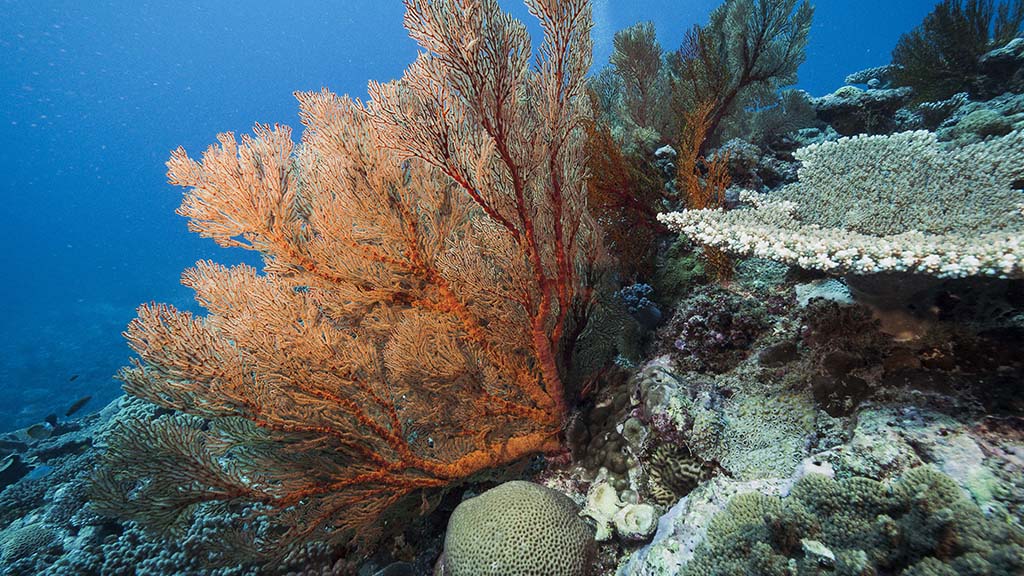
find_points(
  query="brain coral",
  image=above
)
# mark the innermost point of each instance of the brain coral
(30, 539)
(899, 203)
(518, 529)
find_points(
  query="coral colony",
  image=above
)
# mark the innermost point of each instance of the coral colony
(518, 317)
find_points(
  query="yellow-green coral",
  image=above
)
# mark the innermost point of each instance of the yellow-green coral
(674, 472)
(922, 525)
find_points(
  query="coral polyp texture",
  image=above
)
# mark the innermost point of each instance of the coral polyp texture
(518, 528)
(922, 523)
(869, 204)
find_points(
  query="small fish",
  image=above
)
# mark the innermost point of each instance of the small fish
(396, 569)
(9, 461)
(38, 431)
(73, 378)
(39, 472)
(78, 405)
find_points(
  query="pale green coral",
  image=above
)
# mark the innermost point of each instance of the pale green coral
(921, 524)
(979, 125)
(759, 430)
(679, 271)
(763, 427)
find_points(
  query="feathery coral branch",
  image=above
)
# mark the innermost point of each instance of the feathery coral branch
(422, 253)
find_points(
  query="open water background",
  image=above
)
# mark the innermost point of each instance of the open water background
(94, 94)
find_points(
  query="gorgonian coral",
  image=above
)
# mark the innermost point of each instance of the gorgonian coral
(942, 56)
(428, 259)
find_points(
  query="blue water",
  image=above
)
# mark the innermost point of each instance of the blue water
(93, 96)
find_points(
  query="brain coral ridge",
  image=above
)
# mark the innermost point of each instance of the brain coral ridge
(518, 528)
(870, 204)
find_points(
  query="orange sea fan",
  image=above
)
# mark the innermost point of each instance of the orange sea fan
(424, 254)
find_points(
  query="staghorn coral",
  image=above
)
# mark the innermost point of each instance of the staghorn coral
(428, 263)
(898, 203)
(129, 550)
(936, 113)
(942, 56)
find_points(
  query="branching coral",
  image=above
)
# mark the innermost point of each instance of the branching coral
(763, 126)
(623, 193)
(428, 266)
(703, 181)
(636, 58)
(941, 57)
(629, 99)
(634, 89)
(898, 203)
(746, 52)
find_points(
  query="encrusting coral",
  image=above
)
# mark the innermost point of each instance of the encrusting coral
(714, 331)
(921, 524)
(872, 204)
(428, 265)
(24, 541)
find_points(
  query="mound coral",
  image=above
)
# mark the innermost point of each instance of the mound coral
(24, 541)
(872, 204)
(518, 528)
